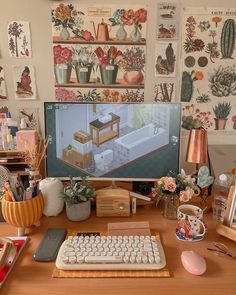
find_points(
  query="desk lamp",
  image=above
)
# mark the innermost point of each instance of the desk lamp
(197, 147)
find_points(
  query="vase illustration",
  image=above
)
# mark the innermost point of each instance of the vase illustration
(108, 74)
(62, 73)
(121, 34)
(64, 34)
(83, 74)
(220, 124)
(135, 35)
(134, 77)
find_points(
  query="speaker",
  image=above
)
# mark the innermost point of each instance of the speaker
(143, 187)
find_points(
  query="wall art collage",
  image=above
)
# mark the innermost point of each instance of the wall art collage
(208, 88)
(99, 52)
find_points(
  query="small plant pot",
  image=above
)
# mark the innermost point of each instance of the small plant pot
(62, 73)
(108, 74)
(23, 214)
(78, 212)
(83, 74)
(220, 124)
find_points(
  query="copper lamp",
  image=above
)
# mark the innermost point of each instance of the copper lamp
(197, 147)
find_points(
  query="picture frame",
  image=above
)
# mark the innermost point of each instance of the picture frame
(228, 228)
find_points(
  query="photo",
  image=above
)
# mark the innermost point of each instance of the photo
(3, 91)
(165, 59)
(24, 79)
(19, 39)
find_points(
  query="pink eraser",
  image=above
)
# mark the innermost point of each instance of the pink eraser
(193, 262)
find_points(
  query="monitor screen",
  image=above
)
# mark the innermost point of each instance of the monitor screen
(113, 140)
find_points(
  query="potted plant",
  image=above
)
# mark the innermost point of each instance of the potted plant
(62, 64)
(77, 197)
(221, 111)
(83, 61)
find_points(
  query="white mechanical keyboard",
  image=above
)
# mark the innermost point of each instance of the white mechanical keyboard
(111, 253)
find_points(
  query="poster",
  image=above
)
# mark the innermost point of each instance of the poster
(19, 41)
(209, 66)
(24, 82)
(3, 91)
(31, 116)
(164, 92)
(99, 52)
(165, 59)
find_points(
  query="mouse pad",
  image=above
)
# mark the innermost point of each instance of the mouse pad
(162, 273)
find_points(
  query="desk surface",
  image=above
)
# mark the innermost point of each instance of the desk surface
(30, 277)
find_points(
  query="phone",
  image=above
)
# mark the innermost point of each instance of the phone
(7, 248)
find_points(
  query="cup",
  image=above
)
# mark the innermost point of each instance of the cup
(190, 226)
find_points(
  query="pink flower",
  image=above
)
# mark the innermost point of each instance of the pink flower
(128, 17)
(140, 15)
(62, 94)
(86, 35)
(170, 186)
(57, 50)
(66, 53)
(185, 196)
(59, 60)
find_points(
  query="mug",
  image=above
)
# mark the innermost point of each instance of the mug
(190, 226)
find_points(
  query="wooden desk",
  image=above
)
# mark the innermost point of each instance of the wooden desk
(30, 277)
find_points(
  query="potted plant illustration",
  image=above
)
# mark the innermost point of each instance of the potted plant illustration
(133, 64)
(62, 64)
(66, 16)
(109, 59)
(221, 111)
(83, 61)
(77, 197)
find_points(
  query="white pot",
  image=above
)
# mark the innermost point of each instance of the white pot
(78, 212)
(52, 190)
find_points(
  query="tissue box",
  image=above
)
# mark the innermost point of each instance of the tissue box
(26, 139)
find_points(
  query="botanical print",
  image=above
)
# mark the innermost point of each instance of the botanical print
(31, 116)
(165, 64)
(24, 82)
(19, 42)
(167, 20)
(3, 92)
(99, 48)
(164, 92)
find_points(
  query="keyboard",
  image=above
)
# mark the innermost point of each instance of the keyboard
(95, 252)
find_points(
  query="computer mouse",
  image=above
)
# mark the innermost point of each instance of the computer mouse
(193, 262)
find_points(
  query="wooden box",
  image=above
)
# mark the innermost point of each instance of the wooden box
(68, 155)
(81, 160)
(82, 136)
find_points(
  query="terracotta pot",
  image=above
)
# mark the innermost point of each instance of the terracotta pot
(23, 214)
(220, 124)
(133, 77)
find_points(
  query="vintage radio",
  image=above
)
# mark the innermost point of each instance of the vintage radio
(112, 202)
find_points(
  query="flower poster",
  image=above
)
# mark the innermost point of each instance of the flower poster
(165, 57)
(19, 41)
(99, 52)
(31, 116)
(3, 92)
(24, 82)
(209, 65)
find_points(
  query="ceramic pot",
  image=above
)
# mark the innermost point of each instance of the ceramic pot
(121, 34)
(64, 34)
(52, 190)
(108, 74)
(78, 212)
(23, 214)
(83, 74)
(135, 35)
(220, 124)
(62, 73)
(134, 77)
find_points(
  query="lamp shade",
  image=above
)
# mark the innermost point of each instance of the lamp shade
(197, 146)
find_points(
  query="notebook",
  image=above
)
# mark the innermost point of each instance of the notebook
(20, 243)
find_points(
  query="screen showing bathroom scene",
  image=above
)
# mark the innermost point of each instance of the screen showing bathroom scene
(119, 141)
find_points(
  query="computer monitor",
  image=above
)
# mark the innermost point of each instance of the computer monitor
(117, 141)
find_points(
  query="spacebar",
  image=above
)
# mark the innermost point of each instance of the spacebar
(103, 259)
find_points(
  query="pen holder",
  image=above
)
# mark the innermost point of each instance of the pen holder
(23, 214)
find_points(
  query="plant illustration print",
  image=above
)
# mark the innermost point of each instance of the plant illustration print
(227, 39)
(191, 43)
(19, 42)
(204, 26)
(3, 94)
(211, 47)
(187, 84)
(164, 92)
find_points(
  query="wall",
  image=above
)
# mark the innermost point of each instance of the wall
(37, 12)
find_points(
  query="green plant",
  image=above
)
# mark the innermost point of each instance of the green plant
(78, 192)
(222, 110)
(193, 118)
(227, 39)
(91, 95)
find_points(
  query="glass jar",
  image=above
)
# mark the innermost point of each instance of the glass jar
(170, 205)
(34, 177)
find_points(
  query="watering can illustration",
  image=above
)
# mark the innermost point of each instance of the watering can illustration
(102, 31)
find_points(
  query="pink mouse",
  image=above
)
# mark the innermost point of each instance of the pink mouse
(193, 262)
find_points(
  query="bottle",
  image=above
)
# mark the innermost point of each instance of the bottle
(220, 190)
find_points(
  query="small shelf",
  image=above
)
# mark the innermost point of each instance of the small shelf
(127, 41)
(120, 84)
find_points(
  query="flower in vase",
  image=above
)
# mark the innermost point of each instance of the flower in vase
(117, 15)
(62, 55)
(140, 16)
(108, 55)
(128, 17)
(83, 56)
(185, 196)
(133, 59)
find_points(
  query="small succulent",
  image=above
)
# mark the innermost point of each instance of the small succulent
(222, 110)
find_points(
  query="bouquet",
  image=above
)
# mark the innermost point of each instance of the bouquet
(133, 59)
(129, 17)
(83, 56)
(108, 55)
(62, 55)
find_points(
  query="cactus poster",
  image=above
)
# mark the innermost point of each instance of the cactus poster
(165, 56)
(208, 85)
(99, 52)
(19, 41)
(3, 92)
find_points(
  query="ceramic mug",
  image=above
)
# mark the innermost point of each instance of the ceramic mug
(190, 226)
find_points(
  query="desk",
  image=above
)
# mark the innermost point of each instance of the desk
(30, 277)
